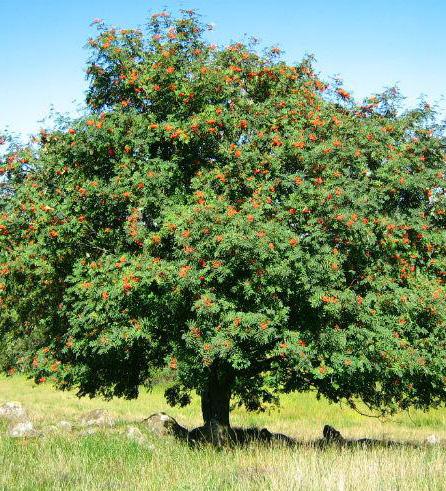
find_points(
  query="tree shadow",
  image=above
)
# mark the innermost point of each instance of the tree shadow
(223, 436)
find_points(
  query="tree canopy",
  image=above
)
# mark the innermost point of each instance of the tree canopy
(232, 217)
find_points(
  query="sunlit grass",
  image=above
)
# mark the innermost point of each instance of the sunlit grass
(107, 460)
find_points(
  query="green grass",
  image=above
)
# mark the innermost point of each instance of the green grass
(107, 460)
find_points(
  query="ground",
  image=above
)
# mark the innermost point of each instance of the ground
(108, 460)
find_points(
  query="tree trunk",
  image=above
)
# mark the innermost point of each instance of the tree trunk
(215, 399)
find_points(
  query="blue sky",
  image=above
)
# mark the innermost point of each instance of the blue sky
(370, 44)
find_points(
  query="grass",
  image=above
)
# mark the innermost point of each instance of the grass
(107, 460)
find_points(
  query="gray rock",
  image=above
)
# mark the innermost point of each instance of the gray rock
(331, 434)
(22, 429)
(136, 435)
(64, 425)
(61, 427)
(50, 430)
(432, 440)
(161, 424)
(98, 417)
(13, 411)
(213, 432)
(89, 431)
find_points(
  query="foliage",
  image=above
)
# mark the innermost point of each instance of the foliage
(218, 210)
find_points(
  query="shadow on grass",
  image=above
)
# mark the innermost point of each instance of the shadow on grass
(223, 436)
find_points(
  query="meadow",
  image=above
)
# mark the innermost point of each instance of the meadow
(107, 460)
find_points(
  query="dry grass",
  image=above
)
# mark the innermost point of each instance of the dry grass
(107, 460)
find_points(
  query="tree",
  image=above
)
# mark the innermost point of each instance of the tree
(234, 218)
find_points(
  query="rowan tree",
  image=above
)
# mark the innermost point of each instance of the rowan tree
(232, 217)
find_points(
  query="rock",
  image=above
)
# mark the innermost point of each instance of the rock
(13, 411)
(64, 425)
(333, 436)
(98, 417)
(266, 436)
(161, 424)
(136, 435)
(89, 431)
(50, 430)
(213, 433)
(432, 440)
(61, 426)
(221, 435)
(22, 429)
(330, 434)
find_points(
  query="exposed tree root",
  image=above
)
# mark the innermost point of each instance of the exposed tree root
(334, 437)
(224, 436)
(214, 433)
